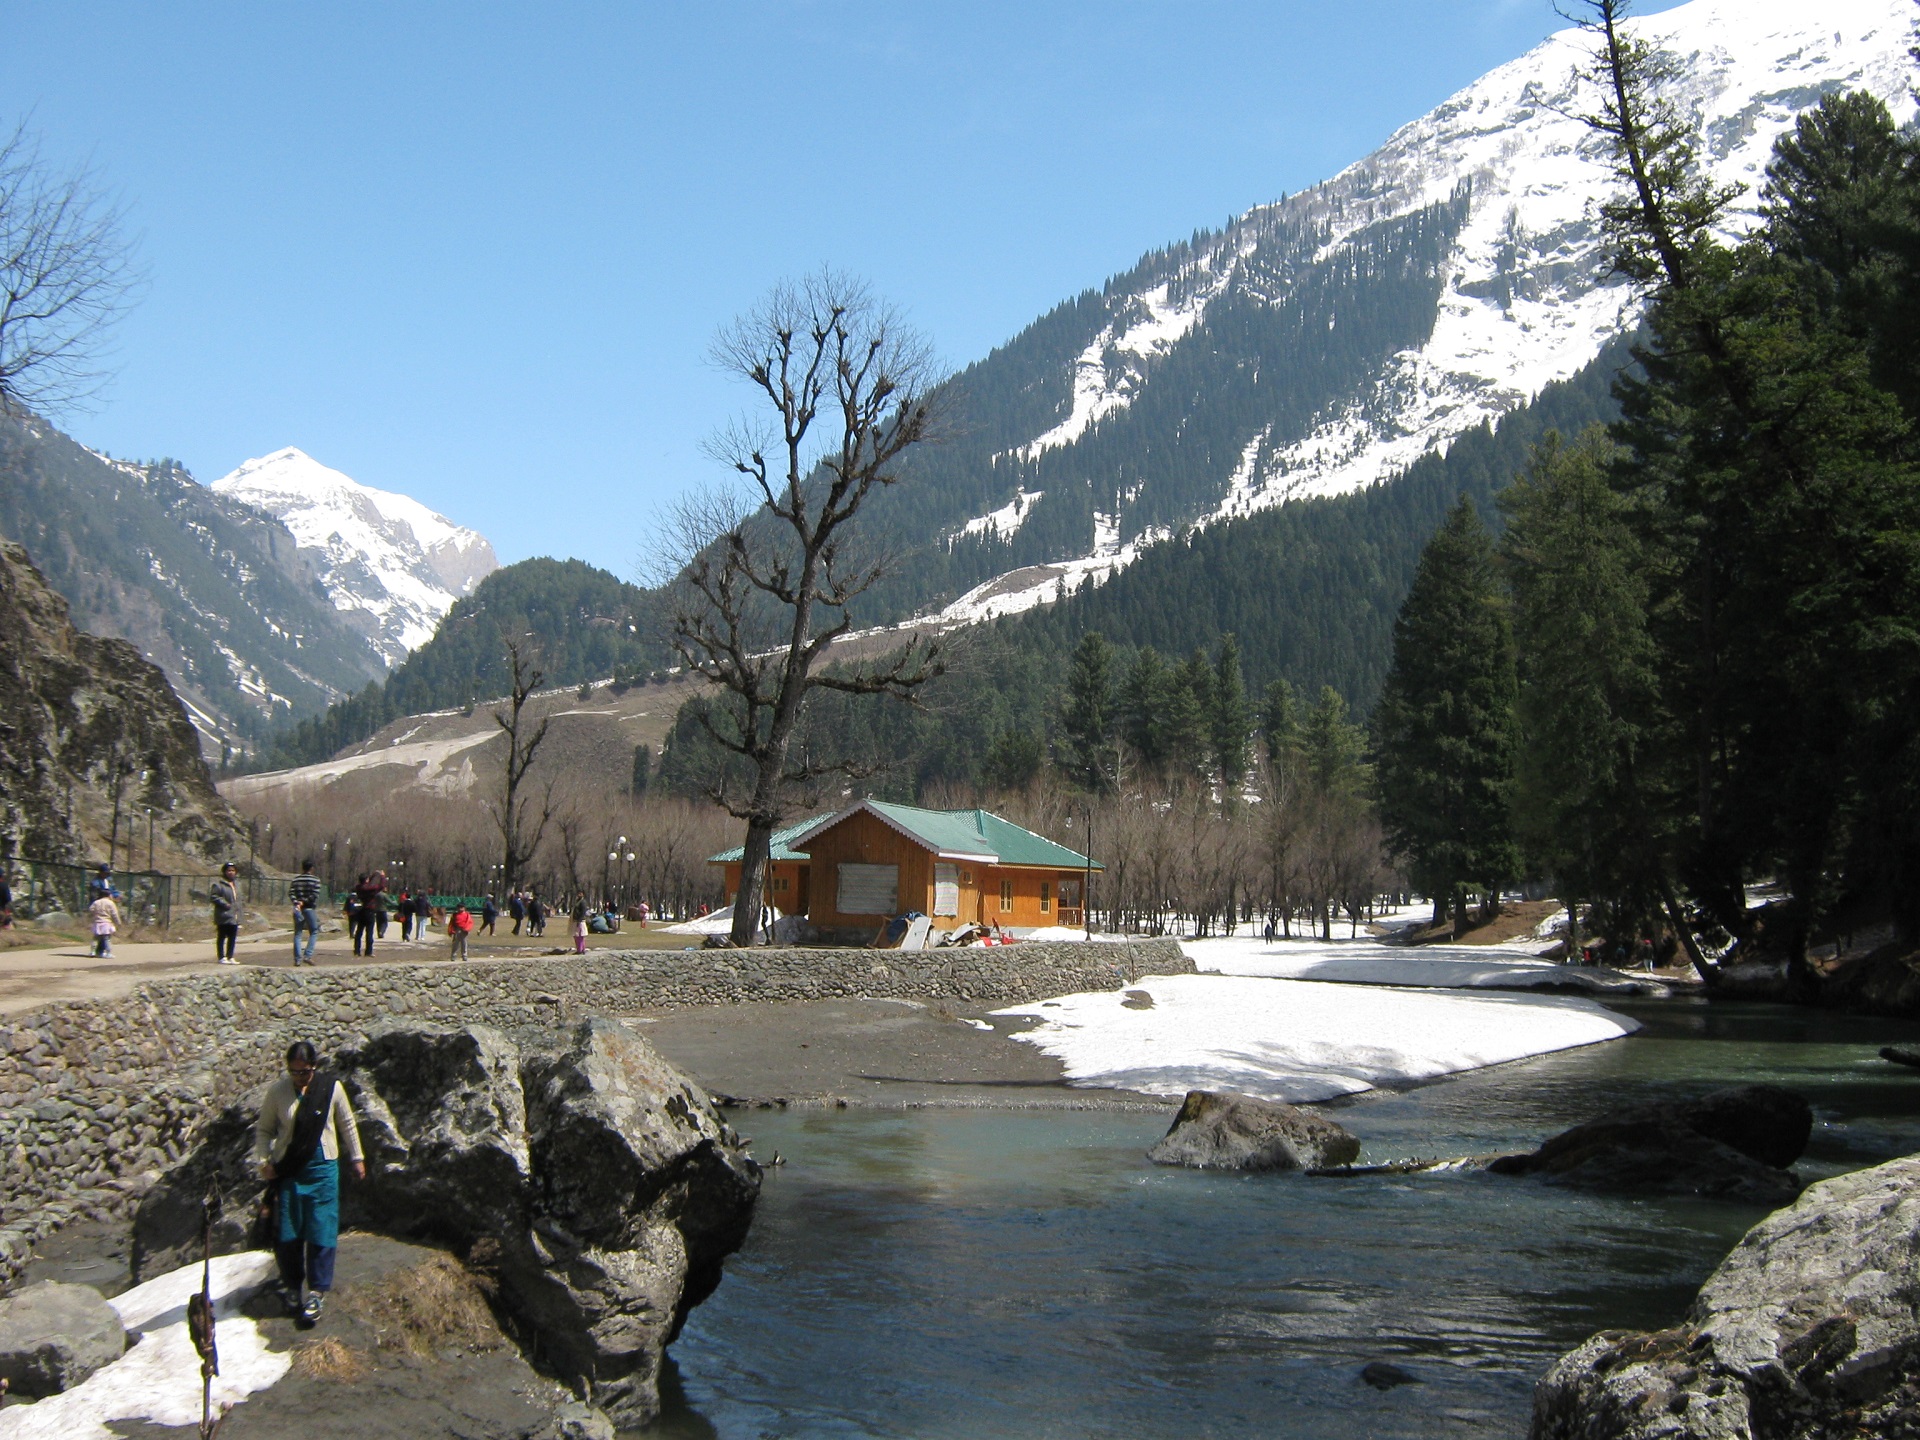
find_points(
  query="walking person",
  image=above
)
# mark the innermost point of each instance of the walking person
(536, 915)
(489, 913)
(517, 908)
(225, 896)
(306, 1128)
(422, 915)
(304, 892)
(459, 926)
(106, 919)
(406, 914)
(580, 926)
(370, 897)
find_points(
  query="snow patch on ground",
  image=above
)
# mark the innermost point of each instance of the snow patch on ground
(1295, 1041)
(1005, 523)
(1455, 967)
(159, 1378)
(432, 758)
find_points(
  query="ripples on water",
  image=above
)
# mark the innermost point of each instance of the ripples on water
(960, 1273)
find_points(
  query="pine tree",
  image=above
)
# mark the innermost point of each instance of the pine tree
(1280, 721)
(1332, 748)
(1444, 727)
(1183, 739)
(1232, 718)
(642, 771)
(1143, 700)
(1088, 716)
(1591, 804)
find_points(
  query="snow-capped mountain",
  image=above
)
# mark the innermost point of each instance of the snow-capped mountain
(1323, 343)
(386, 558)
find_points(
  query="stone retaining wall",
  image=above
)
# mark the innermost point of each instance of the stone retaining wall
(98, 1096)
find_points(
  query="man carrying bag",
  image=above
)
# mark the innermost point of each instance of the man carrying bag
(306, 1128)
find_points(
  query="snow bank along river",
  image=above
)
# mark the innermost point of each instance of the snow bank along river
(1300, 1040)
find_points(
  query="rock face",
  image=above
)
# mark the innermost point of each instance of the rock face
(75, 711)
(53, 1336)
(1883, 982)
(1809, 1329)
(1731, 1145)
(589, 1178)
(1234, 1132)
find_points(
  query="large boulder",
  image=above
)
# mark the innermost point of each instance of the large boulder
(53, 1336)
(1236, 1132)
(588, 1178)
(1730, 1145)
(1808, 1330)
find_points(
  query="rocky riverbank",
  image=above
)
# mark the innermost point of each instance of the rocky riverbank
(1808, 1330)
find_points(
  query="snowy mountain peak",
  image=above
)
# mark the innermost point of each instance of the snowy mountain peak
(1323, 343)
(387, 557)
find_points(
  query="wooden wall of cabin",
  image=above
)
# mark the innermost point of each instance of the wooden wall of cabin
(864, 839)
(786, 884)
(1027, 896)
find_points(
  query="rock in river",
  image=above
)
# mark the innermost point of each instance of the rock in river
(1234, 1132)
(53, 1336)
(589, 1178)
(1731, 1145)
(1807, 1330)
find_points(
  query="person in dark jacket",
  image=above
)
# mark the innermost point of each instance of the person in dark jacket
(225, 895)
(517, 908)
(489, 912)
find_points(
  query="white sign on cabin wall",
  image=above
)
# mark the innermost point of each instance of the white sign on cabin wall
(868, 889)
(946, 889)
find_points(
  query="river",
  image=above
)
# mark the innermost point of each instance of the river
(967, 1272)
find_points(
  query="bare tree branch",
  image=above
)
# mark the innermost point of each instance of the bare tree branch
(66, 275)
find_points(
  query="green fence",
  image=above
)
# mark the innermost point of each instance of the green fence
(145, 897)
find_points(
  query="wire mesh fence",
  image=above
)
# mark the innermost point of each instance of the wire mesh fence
(147, 898)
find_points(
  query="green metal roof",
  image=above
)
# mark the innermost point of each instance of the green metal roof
(977, 835)
(778, 844)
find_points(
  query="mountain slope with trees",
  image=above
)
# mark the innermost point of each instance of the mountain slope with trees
(575, 622)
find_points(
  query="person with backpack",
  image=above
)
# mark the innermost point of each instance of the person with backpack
(459, 926)
(304, 893)
(306, 1129)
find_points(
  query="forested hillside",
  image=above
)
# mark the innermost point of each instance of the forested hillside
(577, 622)
(1309, 590)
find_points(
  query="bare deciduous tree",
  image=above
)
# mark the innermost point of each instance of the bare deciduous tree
(66, 274)
(757, 607)
(520, 833)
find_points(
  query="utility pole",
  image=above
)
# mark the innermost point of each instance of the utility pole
(1086, 890)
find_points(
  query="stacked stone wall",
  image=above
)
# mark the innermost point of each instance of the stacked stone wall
(98, 1096)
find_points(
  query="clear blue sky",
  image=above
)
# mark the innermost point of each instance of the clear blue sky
(476, 253)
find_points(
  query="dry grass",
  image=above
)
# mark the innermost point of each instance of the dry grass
(426, 1308)
(329, 1359)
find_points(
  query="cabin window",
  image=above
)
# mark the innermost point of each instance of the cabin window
(946, 889)
(1069, 893)
(1006, 897)
(779, 884)
(1046, 897)
(868, 889)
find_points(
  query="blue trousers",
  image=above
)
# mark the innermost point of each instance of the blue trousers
(305, 922)
(308, 1235)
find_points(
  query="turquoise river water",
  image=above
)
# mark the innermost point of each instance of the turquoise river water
(958, 1273)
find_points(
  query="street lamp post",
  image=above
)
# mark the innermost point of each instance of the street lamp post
(1086, 889)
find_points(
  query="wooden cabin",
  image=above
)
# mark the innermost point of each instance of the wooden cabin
(854, 868)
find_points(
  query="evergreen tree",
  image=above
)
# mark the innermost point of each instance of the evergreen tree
(1591, 805)
(1232, 718)
(1013, 760)
(1143, 700)
(1444, 727)
(1184, 741)
(1087, 718)
(642, 771)
(1280, 721)
(1332, 748)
